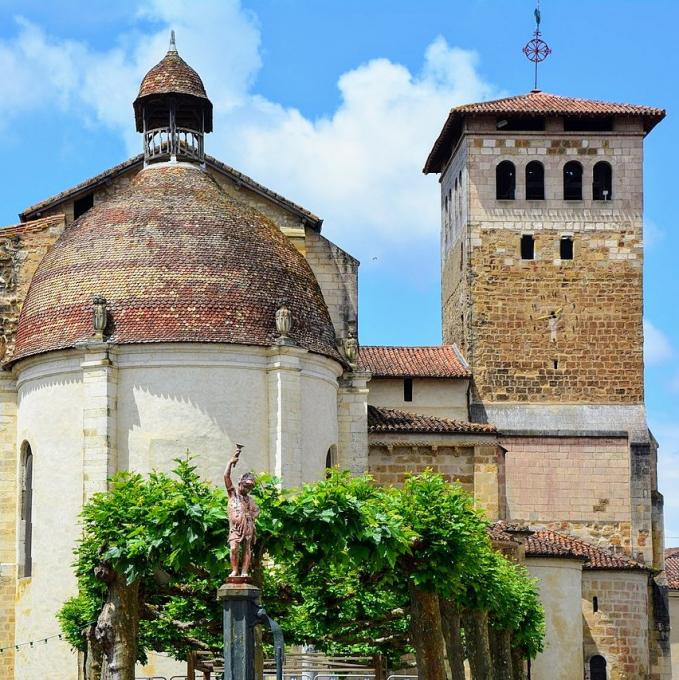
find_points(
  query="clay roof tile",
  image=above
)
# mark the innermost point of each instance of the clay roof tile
(444, 361)
(393, 421)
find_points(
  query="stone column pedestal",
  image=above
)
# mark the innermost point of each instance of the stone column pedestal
(240, 600)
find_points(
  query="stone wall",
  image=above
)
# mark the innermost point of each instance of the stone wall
(337, 274)
(477, 464)
(618, 631)
(499, 305)
(580, 485)
(22, 247)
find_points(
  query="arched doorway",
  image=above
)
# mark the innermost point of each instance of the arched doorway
(597, 668)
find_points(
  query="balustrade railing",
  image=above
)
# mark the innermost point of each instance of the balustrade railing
(165, 142)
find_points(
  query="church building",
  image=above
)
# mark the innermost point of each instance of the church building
(172, 303)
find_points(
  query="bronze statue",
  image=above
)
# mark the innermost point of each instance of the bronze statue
(243, 512)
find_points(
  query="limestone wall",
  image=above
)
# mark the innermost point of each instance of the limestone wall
(577, 484)
(476, 463)
(86, 413)
(618, 631)
(440, 397)
(560, 586)
(674, 633)
(337, 274)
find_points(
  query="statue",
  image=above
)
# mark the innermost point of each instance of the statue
(351, 349)
(99, 316)
(242, 514)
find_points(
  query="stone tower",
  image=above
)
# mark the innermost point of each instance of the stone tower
(542, 254)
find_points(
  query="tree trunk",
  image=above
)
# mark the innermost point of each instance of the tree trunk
(93, 655)
(117, 627)
(452, 634)
(518, 664)
(501, 653)
(425, 633)
(475, 624)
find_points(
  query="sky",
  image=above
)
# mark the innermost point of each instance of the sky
(335, 104)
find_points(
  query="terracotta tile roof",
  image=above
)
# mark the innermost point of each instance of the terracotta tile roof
(33, 225)
(389, 420)
(535, 103)
(178, 261)
(172, 75)
(672, 568)
(547, 543)
(443, 361)
(137, 162)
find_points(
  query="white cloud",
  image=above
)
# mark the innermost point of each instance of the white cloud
(359, 168)
(657, 346)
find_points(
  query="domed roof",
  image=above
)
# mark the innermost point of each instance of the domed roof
(177, 260)
(173, 76)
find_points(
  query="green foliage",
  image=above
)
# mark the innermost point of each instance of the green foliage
(338, 556)
(450, 534)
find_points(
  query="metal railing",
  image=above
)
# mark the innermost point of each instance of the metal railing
(165, 142)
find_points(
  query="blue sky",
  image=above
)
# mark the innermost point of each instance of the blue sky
(334, 104)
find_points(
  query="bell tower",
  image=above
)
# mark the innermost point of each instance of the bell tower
(172, 111)
(541, 249)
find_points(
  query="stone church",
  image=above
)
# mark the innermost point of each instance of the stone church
(172, 303)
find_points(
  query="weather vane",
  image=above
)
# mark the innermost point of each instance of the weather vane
(537, 49)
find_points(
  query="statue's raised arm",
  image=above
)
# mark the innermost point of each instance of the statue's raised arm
(228, 483)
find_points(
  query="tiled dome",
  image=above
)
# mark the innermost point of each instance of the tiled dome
(177, 260)
(172, 76)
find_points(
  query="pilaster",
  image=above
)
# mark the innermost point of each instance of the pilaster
(641, 502)
(8, 521)
(99, 418)
(352, 417)
(284, 373)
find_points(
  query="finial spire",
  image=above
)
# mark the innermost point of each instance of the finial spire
(173, 45)
(537, 49)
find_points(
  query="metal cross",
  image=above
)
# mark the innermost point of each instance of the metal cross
(537, 49)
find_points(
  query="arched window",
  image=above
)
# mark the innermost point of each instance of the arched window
(26, 518)
(597, 668)
(505, 181)
(572, 181)
(331, 458)
(535, 181)
(602, 182)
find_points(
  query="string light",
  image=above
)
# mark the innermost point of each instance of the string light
(44, 641)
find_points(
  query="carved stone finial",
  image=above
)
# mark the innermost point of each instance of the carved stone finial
(351, 348)
(99, 316)
(283, 321)
(173, 45)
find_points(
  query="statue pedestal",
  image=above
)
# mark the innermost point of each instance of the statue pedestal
(240, 600)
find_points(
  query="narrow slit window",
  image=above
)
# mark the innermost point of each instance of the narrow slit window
(595, 604)
(566, 248)
(572, 181)
(26, 529)
(555, 364)
(505, 181)
(602, 182)
(407, 389)
(535, 181)
(527, 247)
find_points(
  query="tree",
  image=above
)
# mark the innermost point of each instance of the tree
(346, 562)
